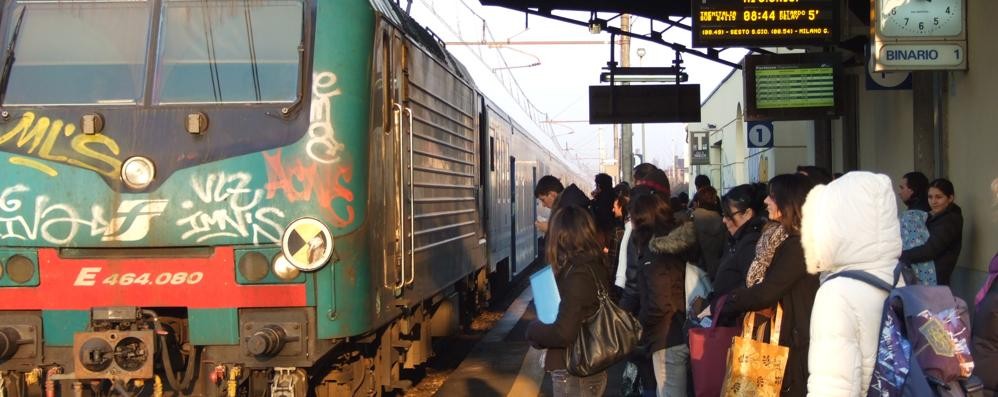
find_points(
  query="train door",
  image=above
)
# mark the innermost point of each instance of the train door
(512, 215)
(398, 205)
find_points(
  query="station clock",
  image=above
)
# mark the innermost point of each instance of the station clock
(920, 18)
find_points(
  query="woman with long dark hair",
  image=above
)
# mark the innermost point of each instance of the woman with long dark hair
(778, 275)
(577, 260)
(945, 225)
(662, 290)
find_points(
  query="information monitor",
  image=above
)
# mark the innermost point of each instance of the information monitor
(792, 86)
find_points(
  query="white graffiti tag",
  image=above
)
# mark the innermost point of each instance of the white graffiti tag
(322, 145)
(56, 224)
(227, 207)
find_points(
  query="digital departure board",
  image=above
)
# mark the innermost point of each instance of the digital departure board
(792, 86)
(765, 23)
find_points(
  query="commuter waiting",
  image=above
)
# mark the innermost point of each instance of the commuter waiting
(849, 225)
(945, 225)
(575, 256)
(710, 230)
(552, 194)
(914, 190)
(662, 290)
(742, 209)
(985, 333)
(778, 275)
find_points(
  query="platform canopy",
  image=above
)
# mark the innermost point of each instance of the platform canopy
(671, 14)
(658, 10)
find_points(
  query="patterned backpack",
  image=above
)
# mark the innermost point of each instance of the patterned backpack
(923, 348)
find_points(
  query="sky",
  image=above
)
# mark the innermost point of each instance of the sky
(555, 77)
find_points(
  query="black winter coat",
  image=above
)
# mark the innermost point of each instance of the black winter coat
(630, 298)
(577, 288)
(943, 246)
(711, 235)
(986, 342)
(738, 255)
(787, 282)
(662, 287)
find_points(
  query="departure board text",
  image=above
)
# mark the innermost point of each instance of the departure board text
(760, 23)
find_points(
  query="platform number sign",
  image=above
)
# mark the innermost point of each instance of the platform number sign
(760, 134)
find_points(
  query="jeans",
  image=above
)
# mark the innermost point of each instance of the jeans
(564, 384)
(670, 370)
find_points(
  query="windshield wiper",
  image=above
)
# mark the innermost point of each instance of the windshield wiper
(286, 112)
(9, 60)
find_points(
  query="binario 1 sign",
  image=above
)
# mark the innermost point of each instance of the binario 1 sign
(729, 23)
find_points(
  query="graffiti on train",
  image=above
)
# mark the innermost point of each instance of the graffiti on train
(227, 207)
(298, 181)
(60, 223)
(59, 141)
(322, 145)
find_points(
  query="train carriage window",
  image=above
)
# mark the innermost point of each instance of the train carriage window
(229, 52)
(76, 53)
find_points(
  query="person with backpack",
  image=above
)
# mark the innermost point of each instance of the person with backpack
(778, 275)
(848, 225)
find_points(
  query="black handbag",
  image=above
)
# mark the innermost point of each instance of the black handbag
(605, 338)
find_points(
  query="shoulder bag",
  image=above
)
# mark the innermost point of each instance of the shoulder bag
(605, 338)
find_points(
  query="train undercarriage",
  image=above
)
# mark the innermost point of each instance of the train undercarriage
(130, 351)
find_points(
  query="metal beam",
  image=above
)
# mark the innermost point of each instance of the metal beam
(658, 40)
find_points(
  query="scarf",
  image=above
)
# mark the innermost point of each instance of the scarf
(993, 269)
(773, 234)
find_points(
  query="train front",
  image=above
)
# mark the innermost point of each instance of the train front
(182, 188)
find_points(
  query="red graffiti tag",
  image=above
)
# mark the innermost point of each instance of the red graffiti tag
(298, 181)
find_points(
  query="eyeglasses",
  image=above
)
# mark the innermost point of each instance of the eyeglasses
(731, 215)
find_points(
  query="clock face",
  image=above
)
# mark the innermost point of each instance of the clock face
(920, 18)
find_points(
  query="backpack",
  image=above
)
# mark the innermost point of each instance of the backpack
(923, 349)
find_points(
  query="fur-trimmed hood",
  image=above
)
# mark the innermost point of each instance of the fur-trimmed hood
(852, 224)
(678, 242)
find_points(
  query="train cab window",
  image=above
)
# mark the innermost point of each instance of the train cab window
(75, 53)
(229, 52)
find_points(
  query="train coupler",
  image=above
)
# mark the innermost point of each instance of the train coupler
(288, 382)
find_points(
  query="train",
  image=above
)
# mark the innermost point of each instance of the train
(246, 197)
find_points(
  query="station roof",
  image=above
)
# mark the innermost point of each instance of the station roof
(659, 10)
(664, 11)
(654, 9)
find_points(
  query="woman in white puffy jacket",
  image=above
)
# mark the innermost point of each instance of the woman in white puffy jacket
(850, 224)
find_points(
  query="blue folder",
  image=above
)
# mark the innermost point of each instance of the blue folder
(546, 297)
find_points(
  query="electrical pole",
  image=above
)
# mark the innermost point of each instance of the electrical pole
(626, 136)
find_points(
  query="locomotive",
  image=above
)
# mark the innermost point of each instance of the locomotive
(252, 197)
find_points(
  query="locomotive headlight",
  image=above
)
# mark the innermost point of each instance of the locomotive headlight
(138, 172)
(20, 269)
(283, 269)
(253, 266)
(307, 244)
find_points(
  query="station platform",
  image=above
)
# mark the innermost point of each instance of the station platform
(504, 364)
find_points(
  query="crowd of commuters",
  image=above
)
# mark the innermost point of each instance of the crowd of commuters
(761, 246)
